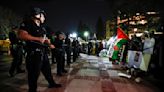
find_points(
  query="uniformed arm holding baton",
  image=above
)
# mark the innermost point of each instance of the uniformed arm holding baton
(24, 35)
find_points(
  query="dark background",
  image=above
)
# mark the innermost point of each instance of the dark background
(65, 14)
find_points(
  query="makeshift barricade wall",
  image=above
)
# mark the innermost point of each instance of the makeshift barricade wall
(138, 60)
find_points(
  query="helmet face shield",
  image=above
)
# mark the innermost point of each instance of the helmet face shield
(38, 14)
(42, 18)
(60, 35)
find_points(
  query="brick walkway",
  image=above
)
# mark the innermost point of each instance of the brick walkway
(88, 74)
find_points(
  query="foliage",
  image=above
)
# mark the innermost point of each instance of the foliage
(8, 19)
(100, 32)
(82, 27)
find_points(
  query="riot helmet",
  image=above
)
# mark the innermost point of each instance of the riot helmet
(37, 13)
(60, 35)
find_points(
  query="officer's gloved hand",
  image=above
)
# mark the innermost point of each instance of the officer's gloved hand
(41, 40)
(52, 46)
(47, 41)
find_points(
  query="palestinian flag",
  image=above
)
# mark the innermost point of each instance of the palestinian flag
(122, 39)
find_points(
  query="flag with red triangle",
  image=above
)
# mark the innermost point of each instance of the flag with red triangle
(121, 39)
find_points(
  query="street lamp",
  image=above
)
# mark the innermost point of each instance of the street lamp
(86, 34)
(73, 35)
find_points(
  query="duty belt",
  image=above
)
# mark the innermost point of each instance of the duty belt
(35, 50)
(38, 49)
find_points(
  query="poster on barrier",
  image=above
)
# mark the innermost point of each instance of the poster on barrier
(145, 62)
(134, 58)
(139, 60)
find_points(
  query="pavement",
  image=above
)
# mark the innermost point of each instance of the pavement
(88, 74)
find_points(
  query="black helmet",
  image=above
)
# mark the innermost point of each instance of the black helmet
(36, 11)
(58, 33)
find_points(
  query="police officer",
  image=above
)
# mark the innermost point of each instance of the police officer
(60, 53)
(89, 48)
(16, 49)
(33, 33)
(68, 49)
(74, 46)
(78, 47)
(53, 37)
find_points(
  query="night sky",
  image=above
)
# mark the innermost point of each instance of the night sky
(64, 14)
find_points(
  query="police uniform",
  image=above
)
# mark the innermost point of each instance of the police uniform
(53, 50)
(68, 50)
(75, 53)
(16, 49)
(60, 55)
(78, 48)
(37, 57)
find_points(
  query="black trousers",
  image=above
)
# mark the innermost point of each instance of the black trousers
(75, 54)
(53, 55)
(68, 52)
(60, 54)
(37, 61)
(17, 54)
